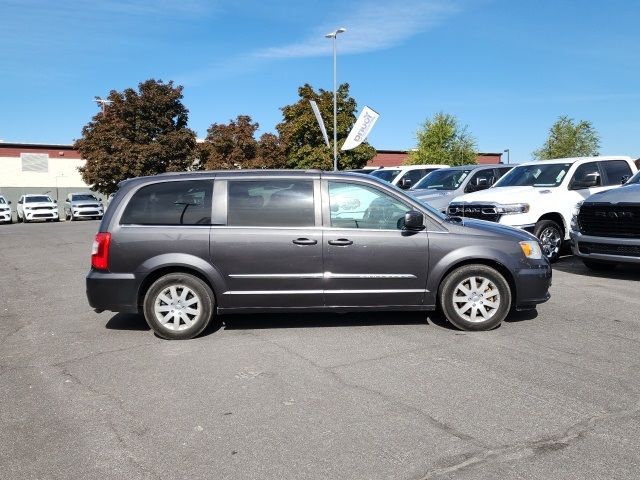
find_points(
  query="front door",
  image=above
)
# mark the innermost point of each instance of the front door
(269, 253)
(368, 259)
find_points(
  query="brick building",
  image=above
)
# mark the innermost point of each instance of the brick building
(393, 158)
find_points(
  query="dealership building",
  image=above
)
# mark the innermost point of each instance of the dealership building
(53, 169)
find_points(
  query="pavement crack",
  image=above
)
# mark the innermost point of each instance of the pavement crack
(330, 371)
(517, 451)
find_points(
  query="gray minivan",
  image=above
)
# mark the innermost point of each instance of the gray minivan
(441, 186)
(182, 247)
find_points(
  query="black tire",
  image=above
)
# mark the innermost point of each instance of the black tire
(598, 266)
(168, 330)
(551, 236)
(71, 217)
(456, 311)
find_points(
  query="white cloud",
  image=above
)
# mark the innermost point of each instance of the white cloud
(375, 25)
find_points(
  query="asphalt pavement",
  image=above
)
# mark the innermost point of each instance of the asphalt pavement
(552, 394)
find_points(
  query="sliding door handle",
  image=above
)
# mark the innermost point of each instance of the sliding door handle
(341, 242)
(305, 241)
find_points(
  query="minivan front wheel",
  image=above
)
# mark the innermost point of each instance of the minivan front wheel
(475, 297)
(178, 306)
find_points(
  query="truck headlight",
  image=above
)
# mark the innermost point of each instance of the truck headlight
(512, 208)
(531, 249)
(574, 216)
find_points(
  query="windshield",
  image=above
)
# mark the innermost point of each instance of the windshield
(444, 179)
(635, 178)
(83, 196)
(386, 174)
(539, 175)
(39, 198)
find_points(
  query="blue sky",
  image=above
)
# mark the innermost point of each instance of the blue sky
(505, 68)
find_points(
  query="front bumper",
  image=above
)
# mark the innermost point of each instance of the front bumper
(532, 286)
(87, 212)
(606, 249)
(116, 292)
(41, 214)
(5, 216)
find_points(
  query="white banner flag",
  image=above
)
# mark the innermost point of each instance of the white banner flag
(361, 129)
(316, 110)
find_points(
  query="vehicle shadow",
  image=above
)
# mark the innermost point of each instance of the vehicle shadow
(318, 320)
(127, 321)
(574, 265)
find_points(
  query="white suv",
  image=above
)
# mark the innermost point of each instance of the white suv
(36, 207)
(540, 196)
(5, 210)
(405, 176)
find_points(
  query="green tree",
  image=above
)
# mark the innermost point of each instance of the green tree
(229, 145)
(569, 139)
(441, 140)
(302, 139)
(233, 145)
(137, 133)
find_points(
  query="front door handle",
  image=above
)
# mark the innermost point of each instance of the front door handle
(341, 242)
(305, 241)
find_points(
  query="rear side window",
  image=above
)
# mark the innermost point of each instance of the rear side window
(616, 171)
(171, 203)
(270, 203)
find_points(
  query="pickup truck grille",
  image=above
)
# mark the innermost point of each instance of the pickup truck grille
(482, 212)
(609, 249)
(42, 208)
(608, 220)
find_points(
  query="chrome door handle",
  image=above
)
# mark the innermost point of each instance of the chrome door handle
(341, 242)
(305, 241)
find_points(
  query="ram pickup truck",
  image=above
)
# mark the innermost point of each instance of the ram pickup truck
(540, 196)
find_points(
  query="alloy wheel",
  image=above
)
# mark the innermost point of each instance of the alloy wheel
(177, 307)
(476, 299)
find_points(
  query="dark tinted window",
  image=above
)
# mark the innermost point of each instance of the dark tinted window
(37, 199)
(171, 203)
(616, 171)
(271, 203)
(585, 174)
(481, 180)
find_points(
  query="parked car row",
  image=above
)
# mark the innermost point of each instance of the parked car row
(41, 207)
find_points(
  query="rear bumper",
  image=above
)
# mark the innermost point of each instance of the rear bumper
(532, 286)
(606, 249)
(116, 292)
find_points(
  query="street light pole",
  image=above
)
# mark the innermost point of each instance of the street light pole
(507, 152)
(334, 35)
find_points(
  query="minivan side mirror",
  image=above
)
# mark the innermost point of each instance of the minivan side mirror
(405, 183)
(413, 220)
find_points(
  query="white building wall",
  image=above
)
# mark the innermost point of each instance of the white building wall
(61, 172)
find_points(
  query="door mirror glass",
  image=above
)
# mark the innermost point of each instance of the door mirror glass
(413, 220)
(405, 183)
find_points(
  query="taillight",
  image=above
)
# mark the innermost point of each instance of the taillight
(100, 251)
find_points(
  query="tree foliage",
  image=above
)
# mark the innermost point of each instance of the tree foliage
(233, 145)
(569, 139)
(302, 139)
(441, 140)
(138, 133)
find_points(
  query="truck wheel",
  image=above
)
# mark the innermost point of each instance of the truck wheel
(550, 236)
(598, 266)
(178, 306)
(475, 297)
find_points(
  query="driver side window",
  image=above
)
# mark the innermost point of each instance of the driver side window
(359, 206)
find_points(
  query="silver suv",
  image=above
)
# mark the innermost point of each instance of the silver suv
(183, 247)
(440, 187)
(83, 205)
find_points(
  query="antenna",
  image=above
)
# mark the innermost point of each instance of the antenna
(103, 102)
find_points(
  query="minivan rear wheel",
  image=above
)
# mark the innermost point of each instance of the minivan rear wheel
(178, 306)
(475, 297)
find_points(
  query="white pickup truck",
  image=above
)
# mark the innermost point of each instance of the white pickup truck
(540, 196)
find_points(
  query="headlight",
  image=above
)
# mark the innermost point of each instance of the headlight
(574, 216)
(512, 208)
(531, 249)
